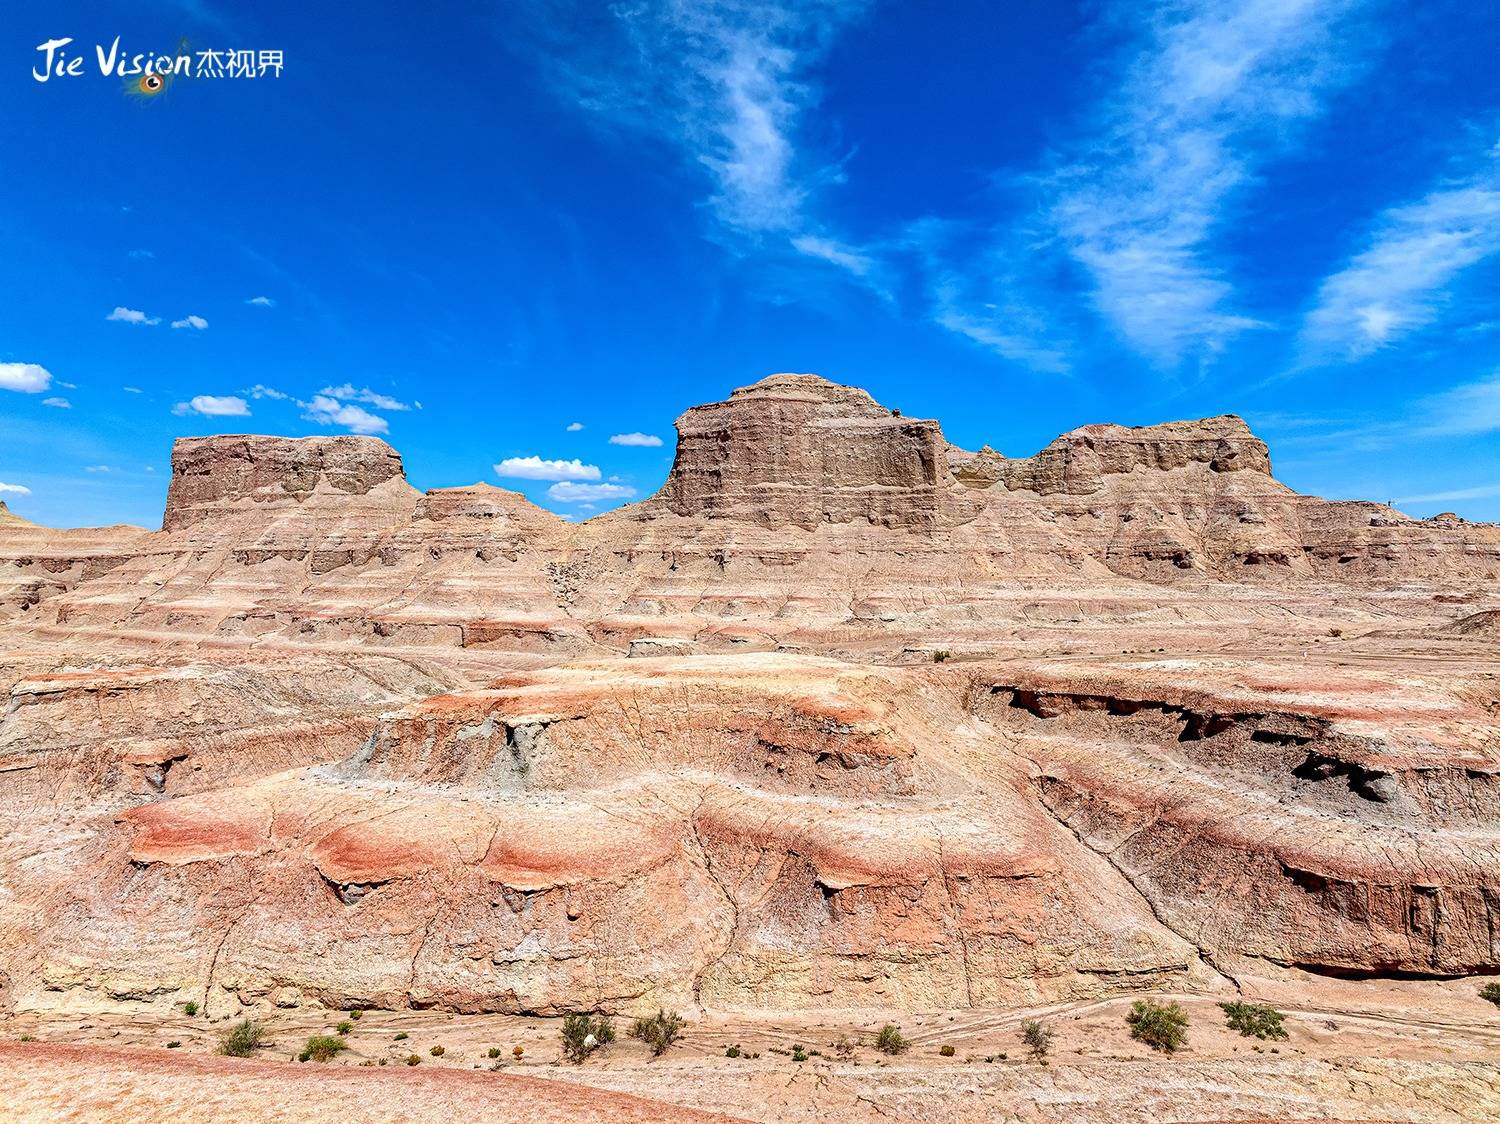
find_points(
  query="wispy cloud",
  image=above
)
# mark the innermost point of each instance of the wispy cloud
(213, 406)
(260, 390)
(725, 82)
(638, 440)
(27, 378)
(57, 403)
(1483, 491)
(132, 390)
(348, 393)
(535, 468)
(1213, 94)
(330, 411)
(262, 302)
(124, 315)
(197, 323)
(569, 492)
(1400, 281)
(15, 489)
(1464, 411)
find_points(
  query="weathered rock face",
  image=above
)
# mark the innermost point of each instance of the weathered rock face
(798, 450)
(224, 477)
(1078, 463)
(325, 739)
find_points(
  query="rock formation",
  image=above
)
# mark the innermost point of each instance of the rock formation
(843, 717)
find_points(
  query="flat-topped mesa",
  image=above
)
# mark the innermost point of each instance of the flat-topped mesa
(224, 477)
(798, 450)
(1079, 462)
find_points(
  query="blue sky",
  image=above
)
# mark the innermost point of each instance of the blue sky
(474, 229)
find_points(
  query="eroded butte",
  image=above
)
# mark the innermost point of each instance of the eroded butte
(845, 725)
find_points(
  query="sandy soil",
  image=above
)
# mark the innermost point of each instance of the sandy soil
(1407, 1051)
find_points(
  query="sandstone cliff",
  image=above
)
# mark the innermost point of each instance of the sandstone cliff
(936, 729)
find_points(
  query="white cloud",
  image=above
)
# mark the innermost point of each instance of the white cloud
(97, 468)
(261, 391)
(724, 81)
(17, 489)
(641, 440)
(535, 468)
(369, 397)
(132, 316)
(1214, 94)
(329, 411)
(28, 378)
(131, 389)
(142, 255)
(262, 302)
(195, 322)
(835, 252)
(213, 406)
(1483, 491)
(1398, 282)
(568, 492)
(1464, 411)
(58, 403)
(574, 427)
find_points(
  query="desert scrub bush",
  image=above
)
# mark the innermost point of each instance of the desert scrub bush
(412, 1059)
(946, 1051)
(890, 1040)
(518, 1051)
(732, 1052)
(1254, 1020)
(1162, 1026)
(1036, 1036)
(241, 1040)
(322, 1047)
(583, 1034)
(1491, 991)
(437, 1051)
(798, 1054)
(401, 1037)
(658, 1031)
(190, 1008)
(344, 1027)
(356, 1014)
(942, 655)
(494, 1052)
(174, 1044)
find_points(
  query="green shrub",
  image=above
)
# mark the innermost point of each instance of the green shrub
(1036, 1036)
(494, 1052)
(1491, 991)
(173, 1045)
(658, 1031)
(344, 1027)
(890, 1040)
(356, 1015)
(402, 1037)
(583, 1034)
(241, 1040)
(437, 1051)
(323, 1047)
(1162, 1026)
(190, 1008)
(798, 1055)
(732, 1052)
(412, 1059)
(1254, 1020)
(946, 1051)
